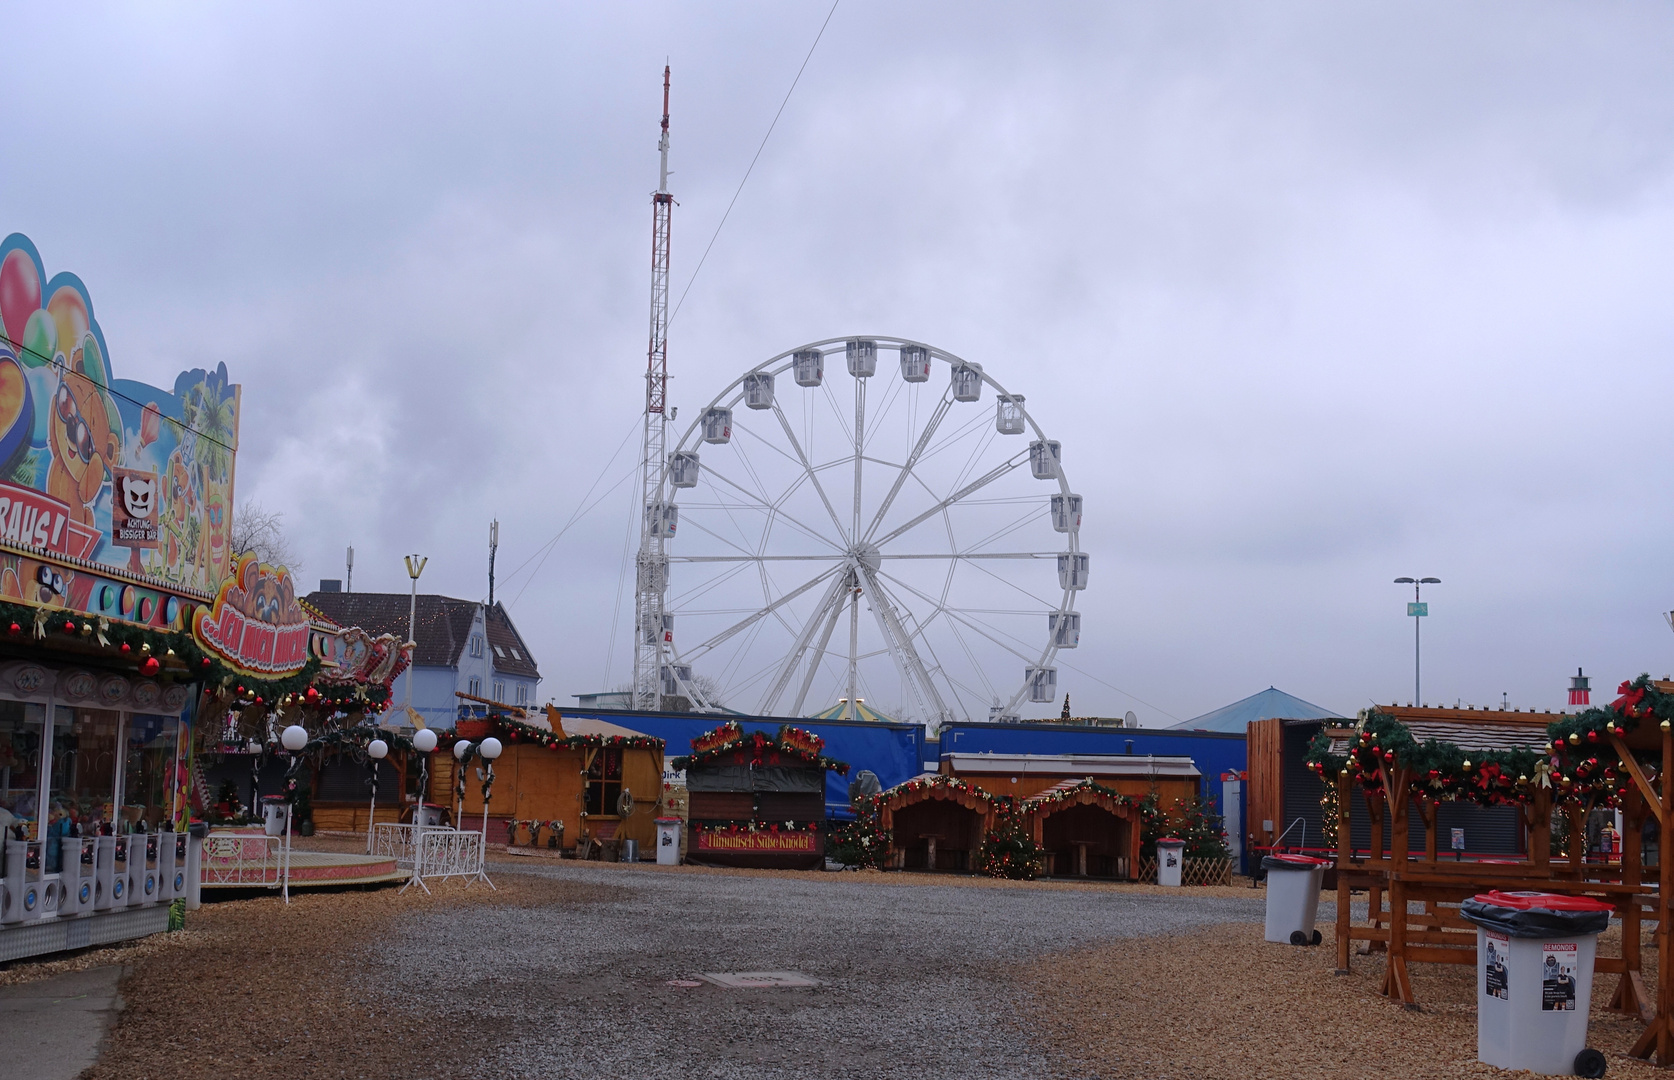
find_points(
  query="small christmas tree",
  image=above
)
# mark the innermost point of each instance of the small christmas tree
(1008, 851)
(862, 843)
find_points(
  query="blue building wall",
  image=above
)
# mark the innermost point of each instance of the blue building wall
(895, 752)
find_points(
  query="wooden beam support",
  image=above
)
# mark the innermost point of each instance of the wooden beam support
(1653, 802)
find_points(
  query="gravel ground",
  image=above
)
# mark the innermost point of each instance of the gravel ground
(1223, 1003)
(915, 974)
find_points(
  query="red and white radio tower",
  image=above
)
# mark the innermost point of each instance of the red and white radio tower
(651, 635)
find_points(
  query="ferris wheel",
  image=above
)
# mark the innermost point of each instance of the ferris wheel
(913, 552)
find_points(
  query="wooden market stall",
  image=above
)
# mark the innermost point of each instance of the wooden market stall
(1406, 761)
(1082, 810)
(757, 800)
(936, 822)
(575, 784)
(1086, 829)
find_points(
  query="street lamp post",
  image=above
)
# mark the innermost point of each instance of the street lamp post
(293, 739)
(376, 750)
(490, 749)
(1417, 609)
(415, 567)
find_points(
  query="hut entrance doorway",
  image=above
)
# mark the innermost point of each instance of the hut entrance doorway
(1087, 841)
(937, 834)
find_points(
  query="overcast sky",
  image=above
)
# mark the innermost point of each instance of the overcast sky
(1315, 295)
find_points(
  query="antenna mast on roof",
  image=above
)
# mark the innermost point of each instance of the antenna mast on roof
(651, 564)
(493, 546)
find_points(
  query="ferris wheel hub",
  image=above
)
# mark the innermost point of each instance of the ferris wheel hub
(867, 555)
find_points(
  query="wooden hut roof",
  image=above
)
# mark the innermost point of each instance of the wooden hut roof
(1468, 729)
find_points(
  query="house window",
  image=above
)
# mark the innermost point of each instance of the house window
(515, 654)
(522, 694)
(501, 653)
(499, 690)
(604, 780)
(474, 687)
(476, 644)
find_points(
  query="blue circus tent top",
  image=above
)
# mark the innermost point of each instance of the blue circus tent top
(1269, 703)
(861, 712)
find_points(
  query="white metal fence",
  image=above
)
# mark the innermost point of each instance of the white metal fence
(432, 852)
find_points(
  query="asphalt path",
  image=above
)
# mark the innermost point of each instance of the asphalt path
(913, 980)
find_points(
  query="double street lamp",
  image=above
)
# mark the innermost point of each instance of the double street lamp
(1417, 609)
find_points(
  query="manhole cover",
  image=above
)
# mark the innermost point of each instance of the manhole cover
(758, 980)
(683, 982)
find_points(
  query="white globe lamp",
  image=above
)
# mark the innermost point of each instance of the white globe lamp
(294, 738)
(424, 740)
(461, 748)
(377, 749)
(490, 748)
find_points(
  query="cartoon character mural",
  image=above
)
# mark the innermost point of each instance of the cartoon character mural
(67, 426)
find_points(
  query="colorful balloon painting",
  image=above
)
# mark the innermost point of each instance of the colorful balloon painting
(71, 436)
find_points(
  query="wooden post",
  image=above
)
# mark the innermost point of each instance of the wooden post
(1376, 865)
(1397, 982)
(1631, 995)
(1577, 815)
(1540, 831)
(1658, 1040)
(1345, 860)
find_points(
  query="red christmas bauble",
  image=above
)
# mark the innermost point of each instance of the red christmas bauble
(150, 666)
(69, 627)
(126, 647)
(312, 695)
(16, 628)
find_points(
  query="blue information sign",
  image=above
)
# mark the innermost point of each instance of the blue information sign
(1419, 609)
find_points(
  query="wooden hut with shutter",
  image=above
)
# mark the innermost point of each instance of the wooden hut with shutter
(936, 822)
(559, 783)
(757, 800)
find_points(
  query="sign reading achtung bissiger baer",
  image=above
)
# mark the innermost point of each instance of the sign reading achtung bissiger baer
(133, 512)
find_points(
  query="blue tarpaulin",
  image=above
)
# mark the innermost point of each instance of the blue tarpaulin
(895, 752)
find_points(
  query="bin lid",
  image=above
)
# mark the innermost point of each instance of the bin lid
(668, 821)
(1301, 862)
(1525, 901)
(1174, 840)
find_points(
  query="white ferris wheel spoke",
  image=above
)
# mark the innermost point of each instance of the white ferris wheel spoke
(975, 485)
(930, 427)
(769, 507)
(808, 468)
(757, 616)
(831, 601)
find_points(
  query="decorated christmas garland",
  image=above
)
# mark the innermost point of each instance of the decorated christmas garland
(151, 650)
(937, 780)
(758, 748)
(1576, 762)
(516, 731)
(734, 828)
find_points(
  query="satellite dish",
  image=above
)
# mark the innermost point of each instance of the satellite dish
(625, 804)
(1129, 719)
(864, 785)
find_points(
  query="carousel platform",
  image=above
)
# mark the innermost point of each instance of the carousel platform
(250, 860)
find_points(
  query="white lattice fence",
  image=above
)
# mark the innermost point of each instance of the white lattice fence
(1193, 872)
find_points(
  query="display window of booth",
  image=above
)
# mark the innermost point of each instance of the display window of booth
(21, 725)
